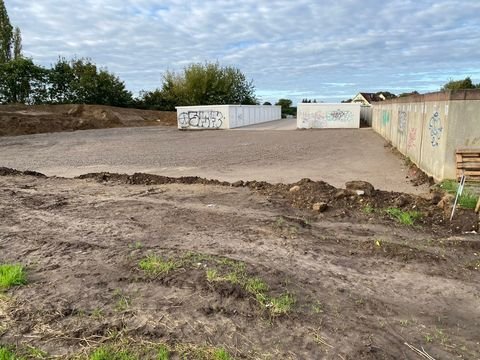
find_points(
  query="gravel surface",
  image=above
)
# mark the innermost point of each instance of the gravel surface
(335, 156)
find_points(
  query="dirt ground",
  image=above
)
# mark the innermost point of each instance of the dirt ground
(25, 119)
(361, 285)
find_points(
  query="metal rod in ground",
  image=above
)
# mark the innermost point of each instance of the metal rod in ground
(459, 193)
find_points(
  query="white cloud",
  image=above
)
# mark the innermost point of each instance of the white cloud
(330, 48)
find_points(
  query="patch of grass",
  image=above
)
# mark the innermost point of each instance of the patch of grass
(318, 307)
(123, 302)
(11, 275)
(154, 265)
(281, 305)
(108, 353)
(163, 353)
(7, 354)
(368, 209)
(467, 200)
(221, 354)
(408, 218)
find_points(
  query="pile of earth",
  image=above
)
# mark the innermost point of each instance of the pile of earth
(358, 199)
(34, 119)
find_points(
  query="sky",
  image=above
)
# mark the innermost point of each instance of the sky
(328, 50)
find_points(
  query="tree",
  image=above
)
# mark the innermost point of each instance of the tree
(80, 81)
(460, 85)
(287, 108)
(17, 43)
(409, 94)
(6, 35)
(21, 81)
(267, 103)
(203, 84)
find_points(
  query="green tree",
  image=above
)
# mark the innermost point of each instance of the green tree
(21, 81)
(80, 81)
(17, 43)
(6, 35)
(204, 84)
(287, 108)
(460, 85)
(61, 79)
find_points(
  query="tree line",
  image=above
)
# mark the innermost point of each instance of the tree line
(81, 81)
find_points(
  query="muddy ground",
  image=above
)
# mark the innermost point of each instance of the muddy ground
(35, 119)
(361, 285)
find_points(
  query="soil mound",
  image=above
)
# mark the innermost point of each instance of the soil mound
(24, 119)
(319, 196)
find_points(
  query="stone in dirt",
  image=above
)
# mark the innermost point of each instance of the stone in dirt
(446, 201)
(320, 206)
(238, 183)
(295, 188)
(360, 185)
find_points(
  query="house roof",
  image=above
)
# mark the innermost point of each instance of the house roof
(371, 97)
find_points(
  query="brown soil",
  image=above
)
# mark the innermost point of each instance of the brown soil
(24, 119)
(363, 284)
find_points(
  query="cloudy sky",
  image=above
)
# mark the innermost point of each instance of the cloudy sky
(324, 49)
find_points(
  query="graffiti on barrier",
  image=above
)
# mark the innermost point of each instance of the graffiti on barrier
(385, 117)
(402, 121)
(435, 127)
(313, 119)
(412, 138)
(473, 141)
(208, 119)
(325, 119)
(339, 116)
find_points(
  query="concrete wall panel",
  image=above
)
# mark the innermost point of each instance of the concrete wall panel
(430, 128)
(225, 116)
(328, 116)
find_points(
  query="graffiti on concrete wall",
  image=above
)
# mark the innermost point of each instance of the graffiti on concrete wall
(385, 117)
(473, 141)
(412, 138)
(322, 119)
(402, 121)
(339, 116)
(435, 127)
(204, 119)
(313, 119)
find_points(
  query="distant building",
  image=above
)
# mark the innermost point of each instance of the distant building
(368, 98)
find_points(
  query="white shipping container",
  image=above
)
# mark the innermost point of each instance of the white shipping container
(225, 116)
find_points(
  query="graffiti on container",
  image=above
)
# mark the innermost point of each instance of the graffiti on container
(313, 119)
(412, 138)
(208, 119)
(435, 127)
(385, 117)
(340, 116)
(402, 121)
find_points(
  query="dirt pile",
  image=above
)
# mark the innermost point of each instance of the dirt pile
(319, 196)
(23, 119)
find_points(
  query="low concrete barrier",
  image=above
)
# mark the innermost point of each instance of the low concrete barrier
(430, 128)
(225, 116)
(328, 116)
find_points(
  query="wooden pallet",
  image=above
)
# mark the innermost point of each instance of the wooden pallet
(468, 164)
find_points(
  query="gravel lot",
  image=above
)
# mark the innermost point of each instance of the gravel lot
(335, 156)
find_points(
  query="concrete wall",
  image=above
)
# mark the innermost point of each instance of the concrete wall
(328, 116)
(225, 116)
(429, 128)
